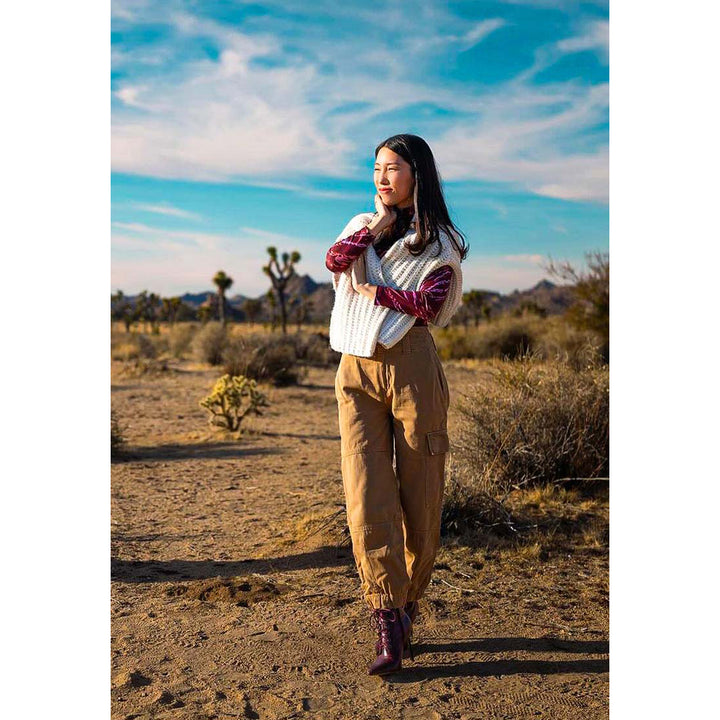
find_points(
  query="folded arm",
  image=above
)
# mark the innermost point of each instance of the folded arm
(425, 302)
(345, 251)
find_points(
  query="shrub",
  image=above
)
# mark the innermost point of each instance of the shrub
(131, 346)
(138, 367)
(146, 347)
(262, 358)
(535, 422)
(316, 350)
(117, 439)
(227, 405)
(507, 337)
(180, 339)
(467, 510)
(510, 337)
(564, 343)
(210, 342)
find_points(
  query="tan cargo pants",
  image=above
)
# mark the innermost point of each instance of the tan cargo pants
(395, 400)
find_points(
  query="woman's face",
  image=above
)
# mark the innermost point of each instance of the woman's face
(394, 178)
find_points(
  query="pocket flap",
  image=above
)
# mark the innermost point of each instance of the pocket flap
(438, 442)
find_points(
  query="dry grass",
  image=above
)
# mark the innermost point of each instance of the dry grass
(510, 338)
(530, 422)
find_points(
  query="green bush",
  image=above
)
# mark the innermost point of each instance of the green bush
(230, 401)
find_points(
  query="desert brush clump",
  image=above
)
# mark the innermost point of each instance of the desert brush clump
(533, 422)
(262, 358)
(508, 337)
(210, 342)
(117, 438)
(232, 399)
(180, 339)
(315, 350)
(130, 346)
(139, 367)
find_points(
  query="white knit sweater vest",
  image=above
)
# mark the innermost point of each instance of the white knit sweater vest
(357, 324)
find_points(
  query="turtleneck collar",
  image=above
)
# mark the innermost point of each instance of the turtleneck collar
(407, 215)
(408, 211)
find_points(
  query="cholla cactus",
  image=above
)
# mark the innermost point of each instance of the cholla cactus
(225, 403)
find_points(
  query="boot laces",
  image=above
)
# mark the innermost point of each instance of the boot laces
(382, 620)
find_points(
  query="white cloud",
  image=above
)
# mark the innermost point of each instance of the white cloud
(168, 210)
(596, 36)
(178, 261)
(229, 120)
(506, 147)
(523, 258)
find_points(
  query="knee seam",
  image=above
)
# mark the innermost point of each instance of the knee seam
(365, 452)
(373, 525)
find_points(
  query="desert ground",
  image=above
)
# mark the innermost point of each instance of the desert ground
(234, 591)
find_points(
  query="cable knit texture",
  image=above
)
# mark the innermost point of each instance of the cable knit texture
(357, 324)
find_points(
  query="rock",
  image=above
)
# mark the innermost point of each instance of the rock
(130, 678)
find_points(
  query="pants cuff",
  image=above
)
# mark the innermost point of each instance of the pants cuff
(378, 600)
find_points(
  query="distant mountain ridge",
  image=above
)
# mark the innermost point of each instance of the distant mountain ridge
(555, 299)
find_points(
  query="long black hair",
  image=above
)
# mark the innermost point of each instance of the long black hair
(430, 207)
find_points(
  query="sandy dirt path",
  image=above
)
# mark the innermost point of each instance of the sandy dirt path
(223, 604)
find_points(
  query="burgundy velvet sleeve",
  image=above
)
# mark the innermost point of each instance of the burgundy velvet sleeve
(425, 302)
(344, 252)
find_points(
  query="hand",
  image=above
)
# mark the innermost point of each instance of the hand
(386, 215)
(365, 289)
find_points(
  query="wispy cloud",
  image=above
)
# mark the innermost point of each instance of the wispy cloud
(263, 111)
(170, 210)
(523, 258)
(510, 148)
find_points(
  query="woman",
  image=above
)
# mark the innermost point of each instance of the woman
(393, 272)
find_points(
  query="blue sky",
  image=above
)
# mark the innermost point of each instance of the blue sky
(239, 125)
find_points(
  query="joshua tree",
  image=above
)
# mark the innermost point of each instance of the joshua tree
(153, 313)
(223, 282)
(302, 306)
(170, 309)
(475, 302)
(530, 307)
(252, 309)
(122, 309)
(272, 301)
(280, 277)
(204, 312)
(141, 308)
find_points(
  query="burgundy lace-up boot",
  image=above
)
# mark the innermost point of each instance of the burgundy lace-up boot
(411, 608)
(393, 627)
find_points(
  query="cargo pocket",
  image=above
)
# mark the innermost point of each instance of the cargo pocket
(438, 443)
